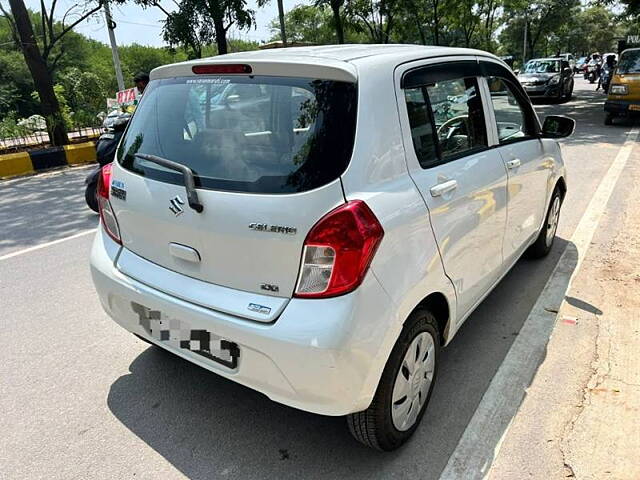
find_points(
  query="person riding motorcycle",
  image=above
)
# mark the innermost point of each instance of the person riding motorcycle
(607, 73)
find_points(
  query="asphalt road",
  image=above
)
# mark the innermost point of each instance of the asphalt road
(82, 398)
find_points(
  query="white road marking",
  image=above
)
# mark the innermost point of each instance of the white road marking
(481, 441)
(44, 245)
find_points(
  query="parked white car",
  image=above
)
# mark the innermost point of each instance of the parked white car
(320, 234)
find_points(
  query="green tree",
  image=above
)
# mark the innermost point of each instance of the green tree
(43, 53)
(187, 27)
(314, 24)
(137, 58)
(221, 14)
(543, 18)
(281, 18)
(336, 7)
(376, 18)
(305, 23)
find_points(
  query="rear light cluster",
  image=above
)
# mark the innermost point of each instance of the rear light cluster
(338, 250)
(109, 221)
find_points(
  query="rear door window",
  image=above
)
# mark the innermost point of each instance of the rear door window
(247, 134)
(447, 120)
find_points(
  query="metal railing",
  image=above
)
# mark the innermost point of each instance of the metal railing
(32, 140)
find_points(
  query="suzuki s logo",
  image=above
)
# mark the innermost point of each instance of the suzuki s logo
(175, 206)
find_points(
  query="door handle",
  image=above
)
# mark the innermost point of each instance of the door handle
(515, 163)
(442, 188)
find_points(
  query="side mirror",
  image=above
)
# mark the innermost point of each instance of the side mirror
(517, 71)
(557, 126)
(234, 98)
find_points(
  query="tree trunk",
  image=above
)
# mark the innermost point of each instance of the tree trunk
(337, 19)
(42, 79)
(423, 39)
(283, 32)
(221, 35)
(436, 23)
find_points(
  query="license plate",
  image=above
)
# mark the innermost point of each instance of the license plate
(635, 108)
(179, 334)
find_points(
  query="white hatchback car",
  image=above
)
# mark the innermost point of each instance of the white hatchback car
(316, 223)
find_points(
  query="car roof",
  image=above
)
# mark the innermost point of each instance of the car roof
(337, 62)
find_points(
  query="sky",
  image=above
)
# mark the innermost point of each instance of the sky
(137, 25)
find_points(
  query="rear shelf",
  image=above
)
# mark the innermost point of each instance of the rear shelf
(252, 306)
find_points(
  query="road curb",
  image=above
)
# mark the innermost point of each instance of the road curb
(23, 163)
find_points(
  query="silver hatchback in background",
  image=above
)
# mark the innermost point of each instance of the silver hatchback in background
(548, 78)
(317, 223)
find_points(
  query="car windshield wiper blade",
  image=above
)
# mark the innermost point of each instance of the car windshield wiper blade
(187, 173)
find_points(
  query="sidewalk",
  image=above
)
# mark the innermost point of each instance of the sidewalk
(581, 415)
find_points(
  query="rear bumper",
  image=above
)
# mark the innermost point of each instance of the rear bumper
(322, 356)
(621, 106)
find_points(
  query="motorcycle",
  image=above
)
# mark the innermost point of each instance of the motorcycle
(592, 71)
(605, 78)
(105, 153)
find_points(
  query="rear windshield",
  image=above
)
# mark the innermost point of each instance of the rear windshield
(629, 62)
(245, 134)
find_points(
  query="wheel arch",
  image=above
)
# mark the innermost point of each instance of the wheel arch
(438, 305)
(561, 184)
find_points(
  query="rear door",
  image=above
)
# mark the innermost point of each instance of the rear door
(267, 154)
(462, 181)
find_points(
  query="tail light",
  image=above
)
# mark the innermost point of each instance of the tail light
(109, 221)
(338, 250)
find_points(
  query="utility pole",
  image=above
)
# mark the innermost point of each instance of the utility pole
(111, 25)
(524, 46)
(283, 32)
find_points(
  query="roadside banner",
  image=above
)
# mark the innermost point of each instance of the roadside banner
(127, 97)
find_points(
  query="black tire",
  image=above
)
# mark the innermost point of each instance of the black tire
(374, 426)
(541, 247)
(608, 118)
(569, 93)
(90, 196)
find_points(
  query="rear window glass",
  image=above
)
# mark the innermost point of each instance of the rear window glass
(246, 134)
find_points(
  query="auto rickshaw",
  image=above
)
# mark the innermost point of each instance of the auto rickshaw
(623, 98)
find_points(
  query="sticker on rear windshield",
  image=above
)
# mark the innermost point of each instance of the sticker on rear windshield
(215, 80)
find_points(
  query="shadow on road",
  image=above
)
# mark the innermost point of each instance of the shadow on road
(209, 427)
(590, 127)
(42, 208)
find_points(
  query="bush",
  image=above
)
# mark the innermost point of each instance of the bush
(10, 127)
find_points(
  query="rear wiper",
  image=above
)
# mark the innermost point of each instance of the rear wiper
(187, 173)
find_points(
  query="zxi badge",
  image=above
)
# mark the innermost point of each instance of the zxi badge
(175, 206)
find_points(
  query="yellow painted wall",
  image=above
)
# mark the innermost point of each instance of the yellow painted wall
(80, 153)
(12, 164)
